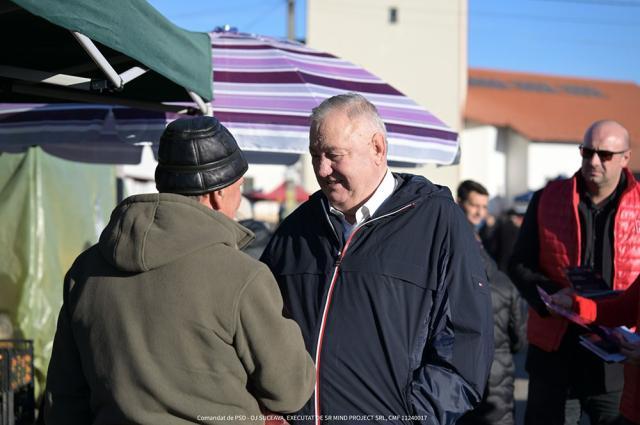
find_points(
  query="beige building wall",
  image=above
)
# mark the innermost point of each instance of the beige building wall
(423, 54)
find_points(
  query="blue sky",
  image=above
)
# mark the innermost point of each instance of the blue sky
(584, 38)
(587, 38)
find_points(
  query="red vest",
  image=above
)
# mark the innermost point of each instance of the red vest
(560, 242)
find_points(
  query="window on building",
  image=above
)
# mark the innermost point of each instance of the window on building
(534, 86)
(393, 15)
(487, 82)
(582, 90)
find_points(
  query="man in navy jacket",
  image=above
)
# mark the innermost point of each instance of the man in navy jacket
(384, 277)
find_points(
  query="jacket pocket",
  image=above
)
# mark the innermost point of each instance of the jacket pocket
(480, 282)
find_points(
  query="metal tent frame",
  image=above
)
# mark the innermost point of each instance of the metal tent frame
(98, 81)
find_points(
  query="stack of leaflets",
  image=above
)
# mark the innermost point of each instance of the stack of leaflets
(601, 340)
(608, 347)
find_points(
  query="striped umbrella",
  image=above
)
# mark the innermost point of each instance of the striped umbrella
(264, 90)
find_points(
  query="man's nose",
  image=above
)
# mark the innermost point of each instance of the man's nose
(323, 167)
(595, 160)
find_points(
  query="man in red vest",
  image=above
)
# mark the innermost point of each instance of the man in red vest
(588, 221)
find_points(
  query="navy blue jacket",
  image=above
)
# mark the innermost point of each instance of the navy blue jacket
(398, 318)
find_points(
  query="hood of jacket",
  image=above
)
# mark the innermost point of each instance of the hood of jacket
(148, 231)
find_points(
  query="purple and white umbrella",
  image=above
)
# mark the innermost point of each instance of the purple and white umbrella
(264, 90)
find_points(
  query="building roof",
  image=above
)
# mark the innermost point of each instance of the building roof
(546, 108)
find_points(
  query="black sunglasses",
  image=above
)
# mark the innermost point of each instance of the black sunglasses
(587, 153)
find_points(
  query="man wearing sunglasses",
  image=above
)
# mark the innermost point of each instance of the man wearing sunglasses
(588, 221)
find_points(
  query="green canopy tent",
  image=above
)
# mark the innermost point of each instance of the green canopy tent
(114, 51)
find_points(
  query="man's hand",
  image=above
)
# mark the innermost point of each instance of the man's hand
(631, 350)
(562, 299)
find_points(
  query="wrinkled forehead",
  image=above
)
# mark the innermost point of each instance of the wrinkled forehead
(334, 132)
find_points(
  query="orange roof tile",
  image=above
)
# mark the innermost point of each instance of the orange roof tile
(546, 108)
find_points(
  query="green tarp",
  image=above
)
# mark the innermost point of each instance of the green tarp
(50, 211)
(131, 32)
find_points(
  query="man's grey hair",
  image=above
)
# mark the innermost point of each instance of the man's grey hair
(354, 104)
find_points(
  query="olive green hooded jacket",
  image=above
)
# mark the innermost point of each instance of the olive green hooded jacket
(165, 321)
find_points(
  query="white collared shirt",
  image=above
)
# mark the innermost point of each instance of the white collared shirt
(384, 190)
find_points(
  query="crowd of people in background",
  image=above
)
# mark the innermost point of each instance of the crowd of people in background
(509, 317)
(381, 299)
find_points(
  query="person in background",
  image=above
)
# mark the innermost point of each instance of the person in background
(382, 274)
(500, 242)
(164, 320)
(588, 221)
(509, 319)
(473, 198)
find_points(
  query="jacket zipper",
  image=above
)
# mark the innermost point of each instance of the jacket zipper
(327, 303)
(326, 216)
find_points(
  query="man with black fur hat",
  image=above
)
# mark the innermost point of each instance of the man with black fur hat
(164, 320)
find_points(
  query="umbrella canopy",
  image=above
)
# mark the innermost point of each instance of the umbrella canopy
(264, 92)
(266, 88)
(120, 51)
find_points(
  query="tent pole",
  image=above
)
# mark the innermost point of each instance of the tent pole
(36, 76)
(99, 59)
(71, 95)
(202, 105)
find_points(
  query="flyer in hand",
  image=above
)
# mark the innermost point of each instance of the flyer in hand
(608, 348)
(602, 341)
(573, 317)
(603, 348)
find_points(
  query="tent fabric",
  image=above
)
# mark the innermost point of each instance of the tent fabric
(51, 210)
(179, 58)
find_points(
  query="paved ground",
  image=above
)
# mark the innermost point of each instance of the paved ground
(521, 383)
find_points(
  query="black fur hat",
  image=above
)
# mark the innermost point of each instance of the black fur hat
(197, 156)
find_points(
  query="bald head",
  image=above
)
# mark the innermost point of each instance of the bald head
(608, 129)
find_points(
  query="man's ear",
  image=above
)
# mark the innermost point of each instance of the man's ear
(379, 146)
(626, 157)
(216, 198)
